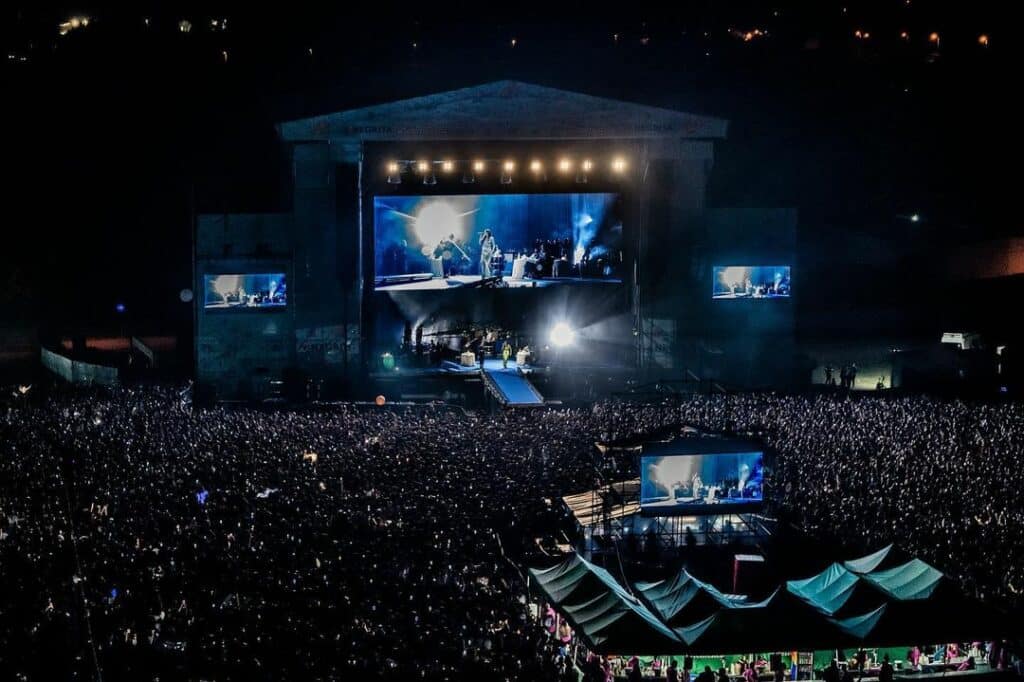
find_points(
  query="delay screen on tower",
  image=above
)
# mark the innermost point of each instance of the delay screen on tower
(751, 281)
(727, 483)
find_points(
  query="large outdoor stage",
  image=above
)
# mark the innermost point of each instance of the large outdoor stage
(506, 205)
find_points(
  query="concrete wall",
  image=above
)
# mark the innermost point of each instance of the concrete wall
(77, 372)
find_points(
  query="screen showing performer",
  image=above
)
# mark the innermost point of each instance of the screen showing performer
(713, 483)
(248, 291)
(751, 281)
(507, 240)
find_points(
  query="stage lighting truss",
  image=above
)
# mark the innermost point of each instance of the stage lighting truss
(585, 167)
(469, 171)
(394, 173)
(537, 169)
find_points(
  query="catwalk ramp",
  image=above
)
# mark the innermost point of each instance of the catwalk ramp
(510, 386)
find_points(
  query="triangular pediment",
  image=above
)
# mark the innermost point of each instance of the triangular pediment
(504, 110)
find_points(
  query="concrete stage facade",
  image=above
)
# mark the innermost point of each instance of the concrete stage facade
(324, 340)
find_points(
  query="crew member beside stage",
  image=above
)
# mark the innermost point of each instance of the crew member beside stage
(487, 248)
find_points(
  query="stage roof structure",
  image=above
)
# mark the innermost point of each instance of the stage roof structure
(502, 110)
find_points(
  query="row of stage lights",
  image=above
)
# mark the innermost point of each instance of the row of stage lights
(427, 170)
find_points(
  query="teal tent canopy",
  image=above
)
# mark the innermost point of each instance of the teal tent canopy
(912, 580)
(871, 562)
(602, 611)
(616, 623)
(782, 622)
(922, 602)
(837, 592)
(685, 599)
(838, 607)
(859, 627)
(575, 580)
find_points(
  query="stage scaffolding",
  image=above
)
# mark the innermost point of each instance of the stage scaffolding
(608, 518)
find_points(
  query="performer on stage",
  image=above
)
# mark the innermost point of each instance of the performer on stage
(451, 254)
(487, 248)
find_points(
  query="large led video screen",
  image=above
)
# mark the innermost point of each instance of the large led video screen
(725, 483)
(497, 240)
(246, 291)
(751, 281)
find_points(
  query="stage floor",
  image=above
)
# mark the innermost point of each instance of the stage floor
(490, 365)
(457, 281)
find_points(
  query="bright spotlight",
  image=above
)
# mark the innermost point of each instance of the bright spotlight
(587, 165)
(447, 166)
(562, 335)
(478, 166)
(422, 166)
(565, 165)
(394, 173)
(510, 166)
(619, 165)
(435, 221)
(734, 277)
(535, 166)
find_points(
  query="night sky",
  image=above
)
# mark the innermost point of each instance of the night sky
(117, 130)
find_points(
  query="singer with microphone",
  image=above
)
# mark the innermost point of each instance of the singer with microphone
(488, 247)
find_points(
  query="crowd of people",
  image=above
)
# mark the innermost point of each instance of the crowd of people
(937, 477)
(141, 537)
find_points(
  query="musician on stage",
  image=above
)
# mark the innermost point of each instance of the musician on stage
(451, 254)
(487, 249)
